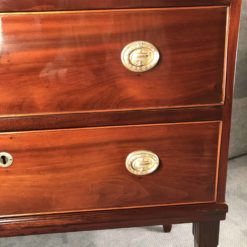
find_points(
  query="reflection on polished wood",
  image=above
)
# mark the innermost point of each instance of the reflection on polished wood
(71, 61)
(84, 169)
(70, 113)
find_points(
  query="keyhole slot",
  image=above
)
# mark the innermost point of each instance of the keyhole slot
(6, 159)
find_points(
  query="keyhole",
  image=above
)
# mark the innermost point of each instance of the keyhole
(4, 159)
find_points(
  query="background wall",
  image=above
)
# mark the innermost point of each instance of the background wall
(238, 144)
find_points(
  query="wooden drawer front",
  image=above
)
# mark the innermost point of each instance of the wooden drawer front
(65, 62)
(84, 169)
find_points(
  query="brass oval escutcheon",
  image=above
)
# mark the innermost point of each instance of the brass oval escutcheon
(142, 162)
(140, 56)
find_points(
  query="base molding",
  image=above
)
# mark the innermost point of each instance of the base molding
(107, 219)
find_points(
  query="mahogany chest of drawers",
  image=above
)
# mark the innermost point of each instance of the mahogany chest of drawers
(115, 114)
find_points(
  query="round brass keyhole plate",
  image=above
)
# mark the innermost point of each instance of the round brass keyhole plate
(140, 56)
(142, 162)
(6, 159)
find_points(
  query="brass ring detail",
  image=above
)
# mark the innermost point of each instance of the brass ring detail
(140, 56)
(142, 162)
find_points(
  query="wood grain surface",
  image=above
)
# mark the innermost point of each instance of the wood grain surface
(84, 169)
(206, 234)
(63, 70)
(70, 62)
(111, 118)
(64, 222)
(56, 5)
(234, 20)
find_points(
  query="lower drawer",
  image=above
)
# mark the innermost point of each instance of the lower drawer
(84, 169)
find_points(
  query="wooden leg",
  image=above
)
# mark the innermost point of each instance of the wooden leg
(167, 228)
(206, 234)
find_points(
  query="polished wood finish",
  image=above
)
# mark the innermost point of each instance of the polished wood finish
(71, 61)
(206, 234)
(95, 119)
(56, 5)
(84, 169)
(51, 62)
(105, 219)
(234, 19)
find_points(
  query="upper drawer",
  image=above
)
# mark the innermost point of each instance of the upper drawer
(70, 61)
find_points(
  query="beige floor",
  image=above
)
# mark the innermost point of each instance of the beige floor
(233, 230)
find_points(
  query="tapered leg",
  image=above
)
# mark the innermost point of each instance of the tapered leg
(167, 228)
(206, 234)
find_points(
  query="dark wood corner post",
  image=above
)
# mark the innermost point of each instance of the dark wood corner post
(206, 234)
